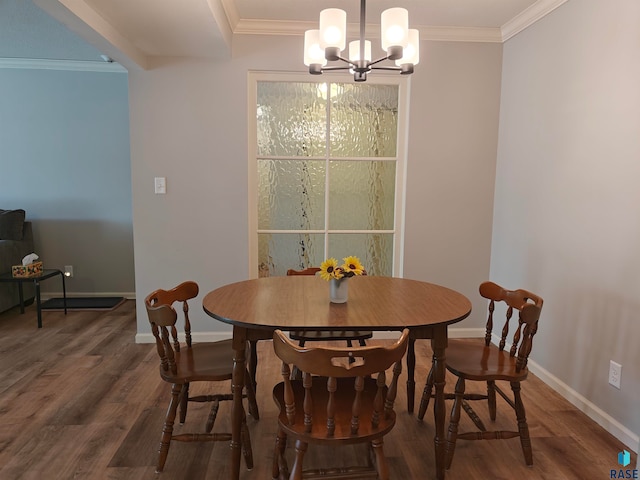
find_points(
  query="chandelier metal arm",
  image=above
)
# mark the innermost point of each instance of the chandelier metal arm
(346, 60)
(395, 69)
(327, 69)
(382, 59)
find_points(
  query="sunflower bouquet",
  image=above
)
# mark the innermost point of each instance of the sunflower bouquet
(329, 269)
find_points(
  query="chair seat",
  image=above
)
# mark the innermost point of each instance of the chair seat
(472, 360)
(202, 362)
(343, 406)
(330, 335)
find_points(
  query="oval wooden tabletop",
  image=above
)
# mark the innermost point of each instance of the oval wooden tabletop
(302, 302)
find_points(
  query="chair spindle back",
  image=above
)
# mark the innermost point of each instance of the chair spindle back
(528, 305)
(334, 365)
(306, 271)
(163, 317)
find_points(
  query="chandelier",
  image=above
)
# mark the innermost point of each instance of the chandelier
(326, 44)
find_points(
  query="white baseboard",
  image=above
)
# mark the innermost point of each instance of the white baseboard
(466, 332)
(127, 295)
(594, 412)
(196, 337)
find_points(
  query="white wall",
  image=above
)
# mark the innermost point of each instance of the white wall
(565, 219)
(451, 171)
(189, 123)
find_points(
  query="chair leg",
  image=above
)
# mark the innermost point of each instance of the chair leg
(245, 439)
(452, 434)
(491, 397)
(296, 470)
(278, 455)
(184, 403)
(251, 397)
(426, 395)
(381, 461)
(523, 428)
(362, 342)
(167, 429)
(213, 413)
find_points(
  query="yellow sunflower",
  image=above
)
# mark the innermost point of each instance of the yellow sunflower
(352, 264)
(329, 269)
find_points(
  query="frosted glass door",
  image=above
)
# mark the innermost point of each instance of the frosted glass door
(326, 161)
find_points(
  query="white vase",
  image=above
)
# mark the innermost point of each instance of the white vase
(338, 290)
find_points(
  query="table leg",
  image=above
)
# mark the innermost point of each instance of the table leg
(237, 384)
(38, 304)
(253, 362)
(411, 367)
(439, 344)
(21, 297)
(64, 293)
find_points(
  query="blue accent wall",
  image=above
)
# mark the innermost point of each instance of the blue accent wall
(64, 158)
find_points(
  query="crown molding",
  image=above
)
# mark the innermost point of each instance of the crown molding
(247, 26)
(447, 34)
(71, 65)
(528, 17)
(461, 34)
(229, 7)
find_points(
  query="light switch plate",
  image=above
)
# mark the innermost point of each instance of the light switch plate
(160, 184)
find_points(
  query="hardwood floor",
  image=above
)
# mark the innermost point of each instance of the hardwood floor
(80, 400)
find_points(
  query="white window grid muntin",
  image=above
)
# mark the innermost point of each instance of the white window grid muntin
(403, 83)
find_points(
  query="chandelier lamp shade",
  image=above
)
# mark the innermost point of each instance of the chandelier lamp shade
(400, 43)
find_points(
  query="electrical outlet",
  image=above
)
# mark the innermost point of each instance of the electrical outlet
(68, 270)
(615, 373)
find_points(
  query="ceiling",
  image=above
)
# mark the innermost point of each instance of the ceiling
(134, 32)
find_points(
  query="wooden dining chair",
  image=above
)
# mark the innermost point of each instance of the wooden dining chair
(182, 365)
(304, 336)
(336, 403)
(483, 361)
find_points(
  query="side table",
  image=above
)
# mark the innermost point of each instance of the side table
(46, 273)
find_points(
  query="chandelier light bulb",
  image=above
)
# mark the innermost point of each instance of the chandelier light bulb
(354, 50)
(394, 26)
(313, 54)
(395, 35)
(332, 35)
(411, 53)
(333, 28)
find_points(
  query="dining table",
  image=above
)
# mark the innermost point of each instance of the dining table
(257, 307)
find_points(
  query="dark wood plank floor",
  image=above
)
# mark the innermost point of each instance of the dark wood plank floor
(80, 400)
